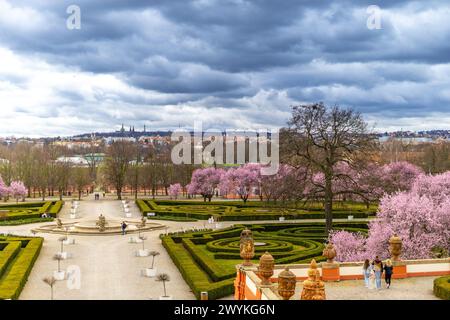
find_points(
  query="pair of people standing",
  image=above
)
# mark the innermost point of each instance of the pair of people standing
(373, 271)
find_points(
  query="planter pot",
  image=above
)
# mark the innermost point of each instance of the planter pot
(135, 240)
(73, 216)
(350, 217)
(128, 215)
(281, 218)
(59, 276)
(64, 255)
(165, 298)
(218, 225)
(150, 273)
(142, 253)
(69, 241)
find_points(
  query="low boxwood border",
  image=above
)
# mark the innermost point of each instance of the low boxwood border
(11, 285)
(441, 287)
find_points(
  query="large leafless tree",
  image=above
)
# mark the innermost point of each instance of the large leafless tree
(119, 156)
(319, 137)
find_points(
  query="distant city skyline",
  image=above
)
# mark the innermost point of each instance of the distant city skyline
(230, 64)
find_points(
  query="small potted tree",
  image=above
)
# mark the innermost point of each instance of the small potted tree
(73, 212)
(51, 282)
(143, 252)
(151, 272)
(58, 274)
(68, 239)
(164, 277)
(63, 241)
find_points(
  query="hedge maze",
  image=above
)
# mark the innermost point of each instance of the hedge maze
(17, 257)
(239, 211)
(207, 260)
(28, 212)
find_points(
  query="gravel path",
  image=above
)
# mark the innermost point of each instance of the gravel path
(420, 288)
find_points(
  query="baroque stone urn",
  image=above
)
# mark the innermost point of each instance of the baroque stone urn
(395, 247)
(265, 268)
(329, 252)
(286, 284)
(247, 246)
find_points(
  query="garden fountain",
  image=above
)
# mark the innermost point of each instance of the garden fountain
(101, 226)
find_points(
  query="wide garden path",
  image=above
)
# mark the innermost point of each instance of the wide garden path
(420, 288)
(108, 265)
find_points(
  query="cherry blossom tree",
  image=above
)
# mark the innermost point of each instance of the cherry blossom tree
(204, 182)
(174, 190)
(399, 176)
(419, 216)
(350, 246)
(241, 181)
(17, 190)
(3, 189)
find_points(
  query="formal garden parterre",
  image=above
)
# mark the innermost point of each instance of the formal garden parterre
(207, 260)
(249, 211)
(11, 214)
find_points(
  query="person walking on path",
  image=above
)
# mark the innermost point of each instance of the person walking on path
(378, 269)
(366, 272)
(371, 278)
(124, 227)
(388, 271)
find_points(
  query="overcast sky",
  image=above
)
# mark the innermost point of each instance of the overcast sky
(229, 63)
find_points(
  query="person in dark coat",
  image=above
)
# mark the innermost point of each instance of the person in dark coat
(388, 271)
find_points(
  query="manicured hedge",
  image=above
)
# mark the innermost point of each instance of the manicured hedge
(237, 211)
(194, 276)
(441, 287)
(14, 279)
(34, 210)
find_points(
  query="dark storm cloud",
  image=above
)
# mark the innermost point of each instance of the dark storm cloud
(255, 56)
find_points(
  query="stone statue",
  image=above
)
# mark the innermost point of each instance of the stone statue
(247, 247)
(59, 224)
(395, 247)
(101, 223)
(313, 287)
(329, 252)
(143, 222)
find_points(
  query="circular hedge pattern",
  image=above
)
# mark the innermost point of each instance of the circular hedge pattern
(233, 245)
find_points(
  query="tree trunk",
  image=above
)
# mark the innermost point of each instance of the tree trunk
(328, 203)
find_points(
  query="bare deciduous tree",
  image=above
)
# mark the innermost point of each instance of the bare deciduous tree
(319, 138)
(117, 162)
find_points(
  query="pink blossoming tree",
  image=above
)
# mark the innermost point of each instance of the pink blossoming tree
(175, 190)
(204, 182)
(241, 181)
(3, 189)
(17, 190)
(420, 217)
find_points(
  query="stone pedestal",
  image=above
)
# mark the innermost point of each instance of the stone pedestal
(399, 270)
(330, 271)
